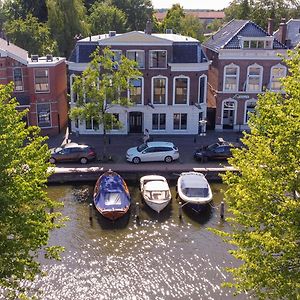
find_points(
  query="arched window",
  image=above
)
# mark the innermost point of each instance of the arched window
(254, 78)
(159, 89)
(249, 108)
(202, 89)
(277, 72)
(181, 90)
(231, 78)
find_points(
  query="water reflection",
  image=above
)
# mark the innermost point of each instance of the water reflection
(160, 257)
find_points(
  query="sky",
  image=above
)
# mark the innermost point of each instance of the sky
(192, 4)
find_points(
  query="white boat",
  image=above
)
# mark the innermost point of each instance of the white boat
(155, 191)
(193, 188)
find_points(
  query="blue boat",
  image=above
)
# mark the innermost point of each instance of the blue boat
(111, 195)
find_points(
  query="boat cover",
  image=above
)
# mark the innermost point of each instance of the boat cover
(193, 185)
(156, 186)
(112, 193)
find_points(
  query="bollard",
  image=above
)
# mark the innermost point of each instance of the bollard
(222, 210)
(180, 210)
(91, 213)
(51, 212)
(137, 211)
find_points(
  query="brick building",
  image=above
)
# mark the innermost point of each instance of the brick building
(245, 63)
(40, 86)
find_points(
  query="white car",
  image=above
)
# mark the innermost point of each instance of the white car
(153, 151)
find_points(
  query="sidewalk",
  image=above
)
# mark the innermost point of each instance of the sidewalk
(117, 146)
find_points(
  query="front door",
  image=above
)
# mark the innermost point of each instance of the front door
(135, 122)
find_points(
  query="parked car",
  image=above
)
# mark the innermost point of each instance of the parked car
(153, 151)
(216, 151)
(73, 152)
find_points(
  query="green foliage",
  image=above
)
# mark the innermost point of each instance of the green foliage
(173, 19)
(266, 212)
(192, 26)
(99, 88)
(67, 18)
(31, 35)
(138, 12)
(25, 220)
(105, 17)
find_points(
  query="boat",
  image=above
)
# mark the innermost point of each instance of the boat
(194, 189)
(111, 195)
(155, 191)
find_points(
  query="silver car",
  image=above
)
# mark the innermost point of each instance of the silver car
(153, 151)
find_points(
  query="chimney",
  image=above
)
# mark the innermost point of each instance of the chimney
(270, 26)
(149, 26)
(282, 31)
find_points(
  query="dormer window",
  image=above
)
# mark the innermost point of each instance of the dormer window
(253, 43)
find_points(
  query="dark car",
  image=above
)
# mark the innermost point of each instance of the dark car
(72, 152)
(217, 151)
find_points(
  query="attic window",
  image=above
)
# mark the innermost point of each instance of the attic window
(254, 44)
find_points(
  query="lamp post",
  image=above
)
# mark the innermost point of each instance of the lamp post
(202, 124)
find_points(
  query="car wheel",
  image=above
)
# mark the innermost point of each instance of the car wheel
(136, 160)
(168, 159)
(83, 160)
(204, 159)
(52, 160)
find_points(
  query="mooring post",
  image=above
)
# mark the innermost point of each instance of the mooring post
(180, 210)
(91, 213)
(222, 210)
(137, 211)
(51, 212)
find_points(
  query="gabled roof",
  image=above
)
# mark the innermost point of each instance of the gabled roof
(13, 51)
(293, 32)
(228, 36)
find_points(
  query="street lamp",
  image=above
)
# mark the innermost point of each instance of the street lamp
(202, 124)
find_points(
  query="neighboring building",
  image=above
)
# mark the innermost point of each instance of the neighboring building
(289, 33)
(40, 86)
(245, 63)
(169, 97)
(206, 17)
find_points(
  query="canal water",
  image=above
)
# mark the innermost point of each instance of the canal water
(159, 257)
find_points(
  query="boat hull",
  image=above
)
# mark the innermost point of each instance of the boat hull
(158, 207)
(111, 196)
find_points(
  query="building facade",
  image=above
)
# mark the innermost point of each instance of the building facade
(40, 85)
(245, 63)
(171, 95)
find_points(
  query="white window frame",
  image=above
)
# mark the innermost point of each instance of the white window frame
(150, 59)
(22, 78)
(254, 76)
(37, 115)
(180, 125)
(272, 76)
(92, 123)
(117, 51)
(137, 50)
(112, 125)
(72, 77)
(48, 77)
(142, 95)
(205, 89)
(237, 78)
(152, 90)
(188, 90)
(234, 109)
(159, 129)
(245, 109)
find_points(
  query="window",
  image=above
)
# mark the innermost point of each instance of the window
(113, 93)
(158, 121)
(74, 96)
(181, 90)
(18, 79)
(202, 89)
(231, 77)
(136, 90)
(180, 121)
(257, 44)
(138, 56)
(117, 55)
(158, 59)
(159, 90)
(91, 124)
(115, 122)
(277, 72)
(43, 115)
(250, 108)
(41, 78)
(254, 78)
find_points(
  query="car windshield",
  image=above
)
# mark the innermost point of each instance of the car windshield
(57, 149)
(212, 147)
(142, 147)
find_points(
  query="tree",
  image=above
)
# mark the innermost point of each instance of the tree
(262, 199)
(31, 35)
(25, 219)
(174, 18)
(192, 26)
(138, 12)
(104, 17)
(100, 88)
(67, 18)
